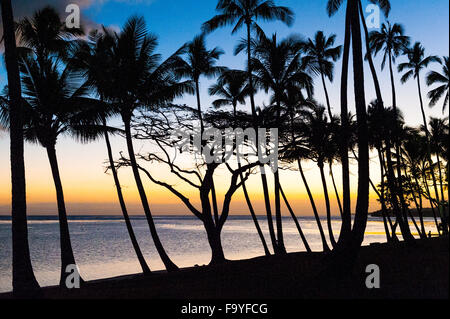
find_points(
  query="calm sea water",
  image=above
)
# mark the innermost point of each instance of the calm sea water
(102, 247)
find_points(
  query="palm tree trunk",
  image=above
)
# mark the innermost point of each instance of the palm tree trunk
(346, 203)
(420, 207)
(252, 213)
(214, 201)
(362, 204)
(430, 199)
(212, 231)
(170, 266)
(279, 222)
(338, 199)
(297, 224)
(199, 108)
(248, 201)
(384, 210)
(24, 282)
(67, 257)
(313, 205)
(327, 204)
(126, 217)
(394, 94)
(326, 95)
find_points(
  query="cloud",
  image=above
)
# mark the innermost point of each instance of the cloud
(23, 8)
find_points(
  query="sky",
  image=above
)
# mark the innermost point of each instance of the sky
(89, 190)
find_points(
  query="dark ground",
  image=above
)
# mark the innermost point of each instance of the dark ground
(406, 271)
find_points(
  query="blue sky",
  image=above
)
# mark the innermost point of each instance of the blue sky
(178, 21)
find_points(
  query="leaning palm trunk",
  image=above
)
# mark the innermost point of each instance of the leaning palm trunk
(170, 266)
(297, 224)
(313, 205)
(419, 203)
(248, 201)
(382, 171)
(330, 114)
(430, 199)
(24, 282)
(338, 199)
(327, 204)
(67, 257)
(383, 212)
(252, 213)
(123, 207)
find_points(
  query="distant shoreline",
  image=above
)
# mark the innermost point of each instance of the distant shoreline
(427, 212)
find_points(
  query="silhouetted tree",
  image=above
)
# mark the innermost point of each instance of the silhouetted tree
(148, 84)
(93, 59)
(24, 282)
(321, 54)
(443, 78)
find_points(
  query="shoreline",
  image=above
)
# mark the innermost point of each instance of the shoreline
(408, 271)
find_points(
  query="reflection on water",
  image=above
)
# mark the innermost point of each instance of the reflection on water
(102, 247)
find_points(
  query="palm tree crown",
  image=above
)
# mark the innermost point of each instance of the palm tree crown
(278, 66)
(247, 12)
(45, 33)
(443, 79)
(390, 39)
(319, 51)
(231, 87)
(417, 62)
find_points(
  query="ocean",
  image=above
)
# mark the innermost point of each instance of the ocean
(103, 249)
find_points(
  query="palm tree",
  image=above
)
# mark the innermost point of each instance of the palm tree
(392, 41)
(55, 104)
(231, 88)
(93, 60)
(296, 149)
(277, 67)
(24, 281)
(321, 54)
(353, 32)
(317, 131)
(443, 79)
(46, 34)
(417, 62)
(149, 84)
(199, 62)
(248, 12)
